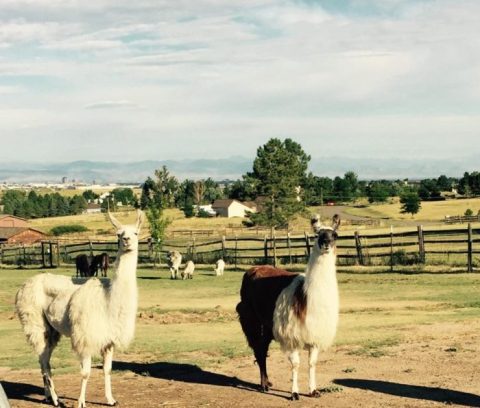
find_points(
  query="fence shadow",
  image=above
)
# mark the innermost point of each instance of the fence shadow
(23, 392)
(442, 395)
(187, 373)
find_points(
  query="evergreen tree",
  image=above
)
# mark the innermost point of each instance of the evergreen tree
(279, 169)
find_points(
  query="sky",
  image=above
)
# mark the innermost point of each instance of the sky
(122, 80)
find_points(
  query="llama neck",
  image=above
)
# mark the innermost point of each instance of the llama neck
(320, 275)
(124, 295)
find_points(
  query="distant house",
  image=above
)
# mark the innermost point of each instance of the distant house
(93, 208)
(10, 221)
(20, 235)
(232, 208)
(206, 208)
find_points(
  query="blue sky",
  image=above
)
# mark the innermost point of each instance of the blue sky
(158, 79)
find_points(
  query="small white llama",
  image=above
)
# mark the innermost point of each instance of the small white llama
(174, 261)
(97, 317)
(219, 267)
(187, 273)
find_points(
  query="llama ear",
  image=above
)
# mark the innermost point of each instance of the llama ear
(335, 222)
(114, 221)
(316, 225)
(140, 220)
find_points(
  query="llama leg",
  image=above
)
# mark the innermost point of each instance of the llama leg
(312, 365)
(50, 394)
(294, 358)
(107, 369)
(52, 337)
(85, 371)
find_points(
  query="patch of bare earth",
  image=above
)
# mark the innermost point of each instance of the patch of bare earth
(436, 365)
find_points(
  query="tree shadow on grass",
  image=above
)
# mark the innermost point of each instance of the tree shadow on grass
(187, 373)
(413, 391)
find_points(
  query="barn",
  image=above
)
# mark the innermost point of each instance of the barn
(11, 221)
(20, 235)
(232, 208)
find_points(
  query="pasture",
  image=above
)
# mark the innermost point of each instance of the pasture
(405, 340)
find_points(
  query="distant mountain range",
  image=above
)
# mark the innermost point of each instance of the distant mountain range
(230, 168)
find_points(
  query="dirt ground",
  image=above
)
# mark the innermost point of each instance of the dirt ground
(436, 365)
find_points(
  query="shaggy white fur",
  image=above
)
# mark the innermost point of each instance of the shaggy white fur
(97, 316)
(187, 273)
(174, 262)
(219, 267)
(316, 331)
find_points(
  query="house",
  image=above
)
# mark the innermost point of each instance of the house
(20, 235)
(10, 221)
(93, 208)
(232, 208)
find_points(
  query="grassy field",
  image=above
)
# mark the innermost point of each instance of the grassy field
(430, 211)
(194, 321)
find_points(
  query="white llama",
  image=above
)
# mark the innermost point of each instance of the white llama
(187, 273)
(219, 267)
(174, 260)
(298, 310)
(97, 317)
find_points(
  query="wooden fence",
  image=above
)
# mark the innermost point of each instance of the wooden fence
(453, 247)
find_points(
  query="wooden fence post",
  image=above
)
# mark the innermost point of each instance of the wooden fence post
(307, 244)
(194, 251)
(224, 255)
(421, 244)
(274, 243)
(391, 248)
(236, 248)
(265, 249)
(90, 247)
(470, 249)
(358, 246)
(289, 248)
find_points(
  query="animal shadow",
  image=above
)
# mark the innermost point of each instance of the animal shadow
(23, 392)
(187, 373)
(442, 395)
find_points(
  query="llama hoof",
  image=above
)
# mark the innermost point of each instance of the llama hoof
(269, 384)
(113, 404)
(295, 396)
(315, 394)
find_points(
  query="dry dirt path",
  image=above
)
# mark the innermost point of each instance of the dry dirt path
(435, 366)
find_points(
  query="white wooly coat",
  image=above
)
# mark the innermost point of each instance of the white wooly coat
(96, 316)
(219, 267)
(188, 271)
(321, 318)
(174, 263)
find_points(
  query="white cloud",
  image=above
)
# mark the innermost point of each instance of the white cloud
(247, 69)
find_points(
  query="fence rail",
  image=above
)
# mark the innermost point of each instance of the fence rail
(455, 247)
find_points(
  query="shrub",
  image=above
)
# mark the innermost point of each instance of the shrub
(468, 212)
(401, 257)
(67, 229)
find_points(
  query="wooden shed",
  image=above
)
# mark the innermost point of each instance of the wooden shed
(19, 235)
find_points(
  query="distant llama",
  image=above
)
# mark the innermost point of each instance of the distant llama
(298, 310)
(174, 260)
(97, 317)
(187, 273)
(219, 267)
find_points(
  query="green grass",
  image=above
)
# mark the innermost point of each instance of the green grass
(194, 321)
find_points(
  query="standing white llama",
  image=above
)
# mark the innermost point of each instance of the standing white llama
(97, 317)
(298, 310)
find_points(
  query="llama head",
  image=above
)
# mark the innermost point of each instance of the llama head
(127, 234)
(325, 236)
